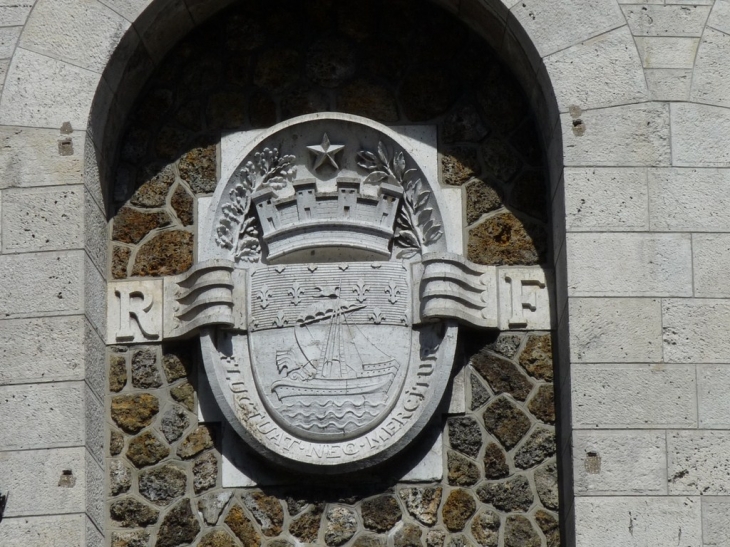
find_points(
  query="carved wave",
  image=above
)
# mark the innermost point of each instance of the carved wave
(331, 416)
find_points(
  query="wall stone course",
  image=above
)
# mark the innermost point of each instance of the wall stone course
(601, 333)
(698, 144)
(634, 396)
(44, 415)
(42, 350)
(638, 521)
(44, 531)
(689, 200)
(629, 463)
(581, 71)
(667, 52)
(650, 264)
(37, 484)
(81, 33)
(39, 284)
(669, 84)
(630, 135)
(710, 258)
(44, 92)
(715, 521)
(658, 20)
(554, 27)
(712, 384)
(709, 78)
(606, 199)
(42, 219)
(697, 462)
(694, 330)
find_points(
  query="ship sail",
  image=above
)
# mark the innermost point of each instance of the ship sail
(337, 371)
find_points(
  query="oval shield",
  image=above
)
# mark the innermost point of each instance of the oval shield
(326, 218)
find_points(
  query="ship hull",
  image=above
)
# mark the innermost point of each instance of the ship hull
(331, 387)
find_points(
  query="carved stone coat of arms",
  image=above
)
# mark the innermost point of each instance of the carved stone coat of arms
(327, 292)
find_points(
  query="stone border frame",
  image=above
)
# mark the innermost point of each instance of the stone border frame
(77, 66)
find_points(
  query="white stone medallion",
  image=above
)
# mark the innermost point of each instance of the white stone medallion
(328, 215)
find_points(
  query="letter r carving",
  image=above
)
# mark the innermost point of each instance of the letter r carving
(135, 312)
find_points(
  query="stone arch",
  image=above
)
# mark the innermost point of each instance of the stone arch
(49, 84)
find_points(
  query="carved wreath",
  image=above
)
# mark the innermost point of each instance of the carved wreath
(416, 226)
(237, 229)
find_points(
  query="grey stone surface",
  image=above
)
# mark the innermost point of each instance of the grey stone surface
(120, 477)
(174, 422)
(34, 424)
(162, 485)
(211, 505)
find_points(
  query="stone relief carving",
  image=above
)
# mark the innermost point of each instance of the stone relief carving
(328, 294)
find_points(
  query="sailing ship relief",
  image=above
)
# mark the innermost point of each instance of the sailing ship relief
(316, 341)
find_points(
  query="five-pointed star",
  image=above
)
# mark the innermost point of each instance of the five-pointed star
(325, 152)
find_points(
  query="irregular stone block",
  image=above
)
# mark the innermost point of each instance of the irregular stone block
(306, 526)
(539, 446)
(381, 513)
(173, 423)
(485, 528)
(133, 413)
(162, 484)
(200, 439)
(495, 462)
(462, 471)
(146, 449)
(458, 509)
(179, 526)
(542, 404)
(422, 503)
(514, 494)
(267, 511)
(519, 532)
(465, 435)
(120, 477)
(145, 372)
(168, 253)
(211, 506)
(408, 536)
(131, 226)
(506, 422)
(130, 513)
(505, 240)
(205, 472)
(546, 485)
(341, 526)
(502, 375)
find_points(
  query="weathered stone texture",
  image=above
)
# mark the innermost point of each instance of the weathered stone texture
(458, 509)
(506, 422)
(341, 526)
(173, 424)
(163, 484)
(422, 503)
(168, 253)
(130, 513)
(267, 511)
(462, 471)
(512, 495)
(145, 372)
(381, 513)
(178, 527)
(505, 240)
(146, 449)
(200, 439)
(502, 375)
(465, 436)
(132, 413)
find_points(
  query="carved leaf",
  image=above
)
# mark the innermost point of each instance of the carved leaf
(422, 199)
(431, 232)
(409, 238)
(375, 177)
(399, 165)
(367, 160)
(424, 215)
(383, 153)
(407, 253)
